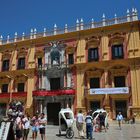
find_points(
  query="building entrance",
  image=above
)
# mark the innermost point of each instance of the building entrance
(121, 106)
(52, 113)
(94, 105)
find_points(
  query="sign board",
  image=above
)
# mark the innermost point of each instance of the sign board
(4, 130)
(117, 90)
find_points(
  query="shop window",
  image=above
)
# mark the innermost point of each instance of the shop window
(119, 81)
(70, 59)
(4, 88)
(20, 87)
(5, 65)
(55, 83)
(93, 54)
(21, 63)
(39, 62)
(117, 51)
(94, 82)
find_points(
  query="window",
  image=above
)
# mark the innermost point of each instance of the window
(39, 62)
(21, 63)
(5, 65)
(55, 56)
(117, 51)
(20, 87)
(119, 81)
(93, 54)
(70, 59)
(94, 82)
(55, 83)
(4, 88)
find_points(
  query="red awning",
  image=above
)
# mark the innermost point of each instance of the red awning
(54, 92)
(14, 94)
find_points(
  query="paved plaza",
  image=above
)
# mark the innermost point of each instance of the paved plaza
(128, 132)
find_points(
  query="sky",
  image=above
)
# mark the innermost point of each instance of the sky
(22, 15)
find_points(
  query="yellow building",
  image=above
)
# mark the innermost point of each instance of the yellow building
(89, 66)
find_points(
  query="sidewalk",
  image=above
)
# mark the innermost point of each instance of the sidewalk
(128, 132)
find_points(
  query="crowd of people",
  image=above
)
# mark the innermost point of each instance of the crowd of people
(97, 122)
(90, 123)
(22, 122)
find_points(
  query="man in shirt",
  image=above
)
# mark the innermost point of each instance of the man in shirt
(119, 119)
(89, 126)
(42, 124)
(79, 123)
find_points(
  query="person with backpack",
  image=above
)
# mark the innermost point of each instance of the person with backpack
(89, 126)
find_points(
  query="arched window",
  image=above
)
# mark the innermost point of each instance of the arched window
(117, 46)
(93, 49)
(55, 55)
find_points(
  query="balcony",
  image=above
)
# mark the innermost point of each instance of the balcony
(52, 67)
(54, 92)
(14, 95)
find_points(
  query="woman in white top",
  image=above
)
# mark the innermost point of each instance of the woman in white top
(26, 126)
(79, 123)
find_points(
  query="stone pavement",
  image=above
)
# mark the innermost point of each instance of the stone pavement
(128, 132)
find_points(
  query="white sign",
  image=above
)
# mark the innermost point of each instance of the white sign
(118, 90)
(4, 129)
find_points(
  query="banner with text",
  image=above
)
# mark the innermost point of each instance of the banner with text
(120, 90)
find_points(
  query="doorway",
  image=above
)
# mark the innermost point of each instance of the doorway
(52, 113)
(94, 105)
(121, 106)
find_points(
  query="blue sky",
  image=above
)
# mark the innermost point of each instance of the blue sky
(22, 15)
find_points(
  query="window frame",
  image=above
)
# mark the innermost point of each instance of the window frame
(93, 54)
(70, 58)
(5, 68)
(117, 51)
(2, 87)
(22, 87)
(21, 66)
(124, 81)
(92, 84)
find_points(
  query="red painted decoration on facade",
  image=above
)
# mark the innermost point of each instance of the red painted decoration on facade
(54, 92)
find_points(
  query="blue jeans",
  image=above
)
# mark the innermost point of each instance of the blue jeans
(89, 130)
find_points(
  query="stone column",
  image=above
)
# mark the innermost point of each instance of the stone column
(47, 83)
(135, 76)
(80, 90)
(11, 88)
(30, 88)
(106, 78)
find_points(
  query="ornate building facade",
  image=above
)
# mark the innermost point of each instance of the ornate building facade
(91, 66)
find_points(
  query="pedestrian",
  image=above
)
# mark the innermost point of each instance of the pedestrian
(19, 128)
(26, 123)
(42, 125)
(35, 126)
(80, 123)
(133, 118)
(89, 126)
(119, 119)
(101, 121)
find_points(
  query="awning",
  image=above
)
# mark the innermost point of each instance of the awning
(54, 92)
(14, 95)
